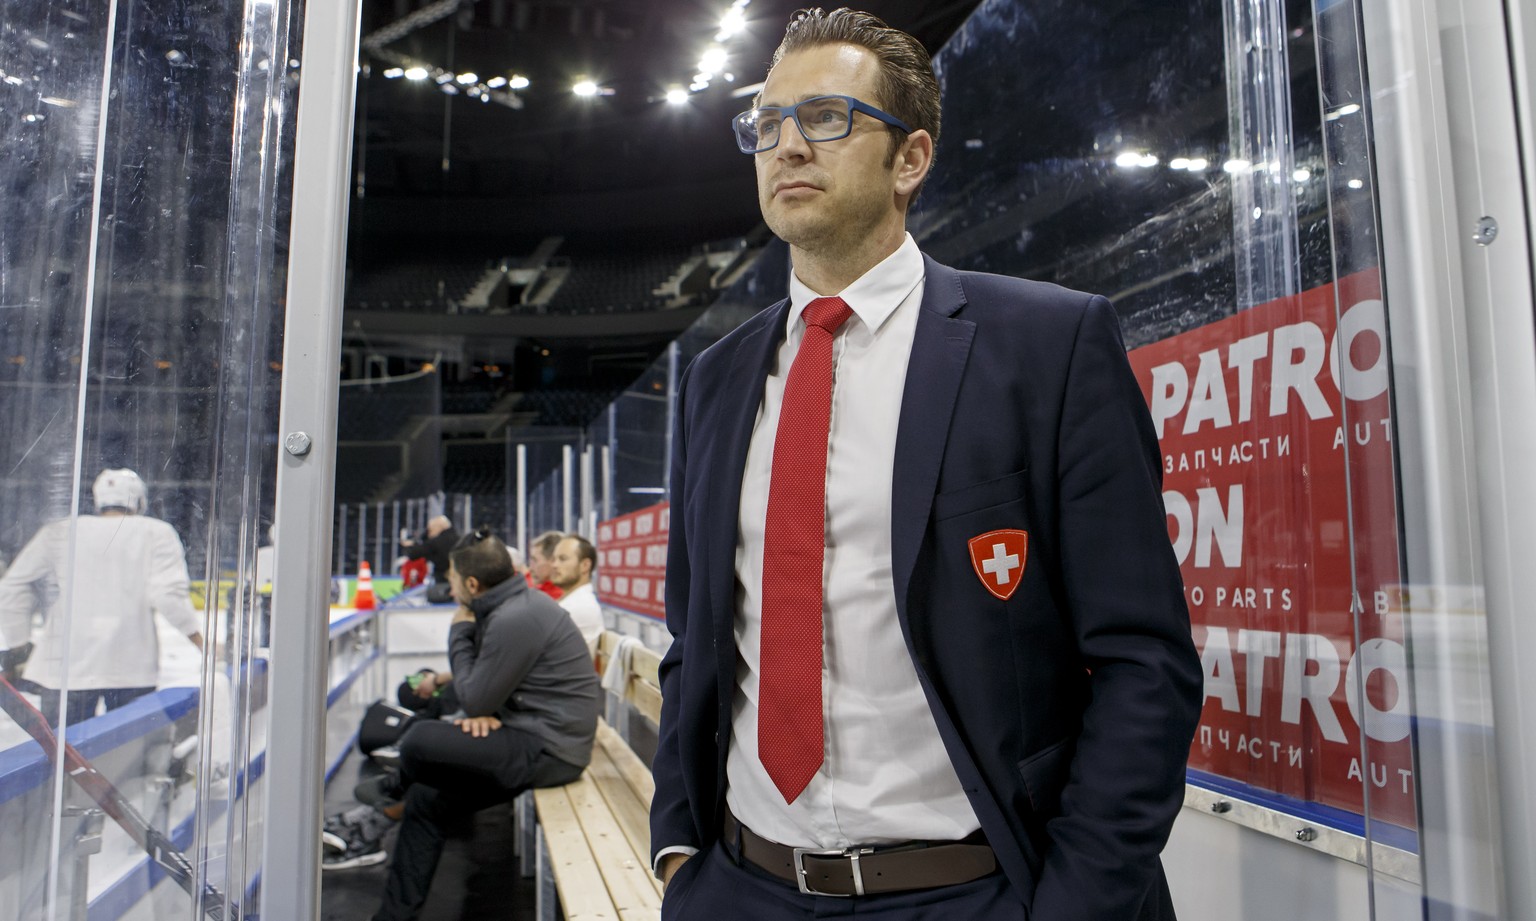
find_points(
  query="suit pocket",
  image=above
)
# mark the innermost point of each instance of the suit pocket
(1045, 773)
(955, 502)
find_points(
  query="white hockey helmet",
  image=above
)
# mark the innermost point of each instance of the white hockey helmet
(122, 489)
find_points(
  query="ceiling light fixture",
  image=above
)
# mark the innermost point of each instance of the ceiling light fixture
(496, 83)
(416, 73)
(713, 61)
(585, 88)
(677, 96)
(394, 73)
(731, 24)
(517, 82)
(468, 79)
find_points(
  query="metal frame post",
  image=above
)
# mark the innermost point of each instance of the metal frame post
(566, 473)
(292, 806)
(378, 538)
(522, 497)
(587, 491)
(394, 537)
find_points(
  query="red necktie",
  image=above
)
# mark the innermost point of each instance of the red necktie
(790, 734)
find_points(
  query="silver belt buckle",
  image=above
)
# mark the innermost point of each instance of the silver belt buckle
(852, 853)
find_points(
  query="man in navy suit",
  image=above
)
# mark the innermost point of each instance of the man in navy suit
(931, 648)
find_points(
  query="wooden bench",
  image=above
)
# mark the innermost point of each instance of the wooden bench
(594, 834)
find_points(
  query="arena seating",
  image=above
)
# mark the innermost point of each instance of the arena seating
(566, 407)
(423, 286)
(613, 284)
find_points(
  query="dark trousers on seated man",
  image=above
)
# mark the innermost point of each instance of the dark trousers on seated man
(448, 776)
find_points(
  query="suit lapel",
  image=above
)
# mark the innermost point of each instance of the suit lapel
(739, 402)
(940, 349)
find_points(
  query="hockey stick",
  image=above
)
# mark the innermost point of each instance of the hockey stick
(113, 803)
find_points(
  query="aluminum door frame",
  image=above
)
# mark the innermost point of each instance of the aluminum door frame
(292, 812)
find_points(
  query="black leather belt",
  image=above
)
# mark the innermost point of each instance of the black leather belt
(864, 870)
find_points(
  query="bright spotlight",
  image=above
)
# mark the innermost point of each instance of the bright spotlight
(518, 82)
(733, 22)
(416, 73)
(677, 97)
(1128, 159)
(496, 83)
(585, 88)
(1302, 175)
(468, 78)
(1237, 166)
(394, 73)
(1355, 184)
(1198, 164)
(713, 61)
(1147, 161)
(1179, 163)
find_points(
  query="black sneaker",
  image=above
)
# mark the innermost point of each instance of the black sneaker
(333, 835)
(363, 856)
(354, 838)
(388, 756)
(380, 791)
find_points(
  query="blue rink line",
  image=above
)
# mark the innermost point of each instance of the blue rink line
(1404, 839)
(355, 619)
(126, 892)
(25, 766)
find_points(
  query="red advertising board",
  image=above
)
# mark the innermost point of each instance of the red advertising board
(632, 560)
(1276, 431)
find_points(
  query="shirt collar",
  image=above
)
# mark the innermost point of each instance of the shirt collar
(876, 294)
(497, 595)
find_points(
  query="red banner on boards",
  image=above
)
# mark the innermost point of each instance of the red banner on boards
(1281, 496)
(632, 560)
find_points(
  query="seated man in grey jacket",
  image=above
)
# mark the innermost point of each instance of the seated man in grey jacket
(530, 702)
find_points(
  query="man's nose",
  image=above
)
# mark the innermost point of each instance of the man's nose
(792, 144)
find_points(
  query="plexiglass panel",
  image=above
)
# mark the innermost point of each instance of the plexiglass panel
(141, 256)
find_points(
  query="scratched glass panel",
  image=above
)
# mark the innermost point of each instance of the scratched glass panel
(142, 242)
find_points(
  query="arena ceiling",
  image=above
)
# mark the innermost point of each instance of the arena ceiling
(523, 164)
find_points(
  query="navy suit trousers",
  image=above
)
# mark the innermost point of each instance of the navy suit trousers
(711, 886)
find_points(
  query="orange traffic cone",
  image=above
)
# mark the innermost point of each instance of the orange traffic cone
(363, 600)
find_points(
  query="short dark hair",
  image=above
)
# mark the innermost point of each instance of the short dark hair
(484, 557)
(547, 542)
(584, 550)
(908, 88)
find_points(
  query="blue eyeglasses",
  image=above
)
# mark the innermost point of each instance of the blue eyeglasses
(820, 118)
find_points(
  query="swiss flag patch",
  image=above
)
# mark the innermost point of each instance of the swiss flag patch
(998, 557)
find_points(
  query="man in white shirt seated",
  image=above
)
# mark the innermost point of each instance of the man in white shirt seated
(103, 577)
(571, 571)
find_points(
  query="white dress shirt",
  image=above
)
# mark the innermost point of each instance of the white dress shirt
(125, 569)
(886, 777)
(582, 604)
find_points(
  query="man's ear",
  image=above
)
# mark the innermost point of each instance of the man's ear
(913, 160)
(472, 585)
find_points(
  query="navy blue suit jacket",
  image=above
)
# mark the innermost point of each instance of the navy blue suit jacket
(1068, 709)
